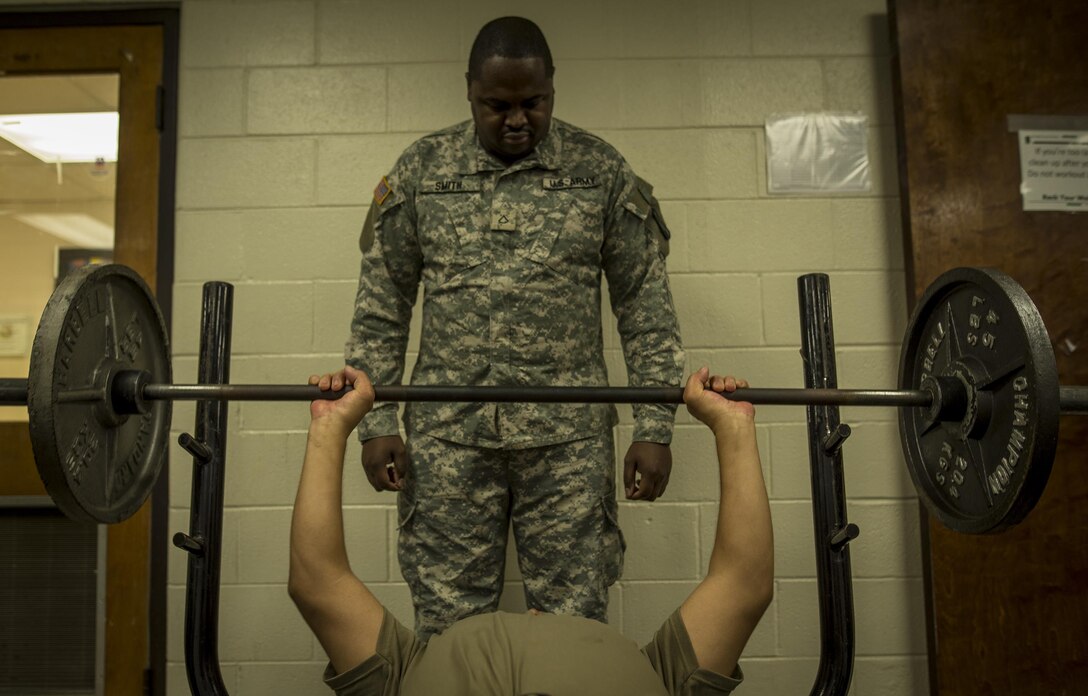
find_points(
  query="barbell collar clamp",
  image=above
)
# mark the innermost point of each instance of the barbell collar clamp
(949, 398)
(127, 394)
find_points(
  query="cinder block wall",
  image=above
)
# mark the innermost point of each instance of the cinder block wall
(292, 110)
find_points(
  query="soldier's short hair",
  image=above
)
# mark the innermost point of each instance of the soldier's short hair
(509, 37)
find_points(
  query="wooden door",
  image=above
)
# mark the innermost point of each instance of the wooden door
(1007, 613)
(135, 53)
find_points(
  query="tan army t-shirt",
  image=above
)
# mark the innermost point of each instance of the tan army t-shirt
(525, 655)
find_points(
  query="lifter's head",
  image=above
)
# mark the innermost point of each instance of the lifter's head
(510, 89)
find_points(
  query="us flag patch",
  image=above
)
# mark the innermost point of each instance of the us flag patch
(382, 191)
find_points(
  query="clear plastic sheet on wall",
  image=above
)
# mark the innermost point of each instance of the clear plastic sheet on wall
(817, 152)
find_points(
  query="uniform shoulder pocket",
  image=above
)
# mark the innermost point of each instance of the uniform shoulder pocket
(642, 203)
(366, 237)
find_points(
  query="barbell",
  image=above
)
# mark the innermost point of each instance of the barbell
(979, 399)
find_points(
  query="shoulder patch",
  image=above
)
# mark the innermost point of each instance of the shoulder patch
(382, 191)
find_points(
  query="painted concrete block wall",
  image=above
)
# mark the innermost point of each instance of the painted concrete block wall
(291, 110)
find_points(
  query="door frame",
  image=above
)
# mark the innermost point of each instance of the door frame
(132, 626)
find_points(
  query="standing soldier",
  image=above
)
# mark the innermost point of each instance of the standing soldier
(508, 220)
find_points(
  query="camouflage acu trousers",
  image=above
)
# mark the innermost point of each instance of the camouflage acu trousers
(456, 509)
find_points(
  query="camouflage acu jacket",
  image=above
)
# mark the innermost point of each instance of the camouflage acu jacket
(510, 258)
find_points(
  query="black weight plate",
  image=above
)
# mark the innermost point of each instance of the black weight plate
(986, 472)
(98, 465)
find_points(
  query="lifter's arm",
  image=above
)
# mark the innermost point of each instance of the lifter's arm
(726, 606)
(339, 609)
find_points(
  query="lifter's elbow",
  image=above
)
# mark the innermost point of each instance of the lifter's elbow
(297, 591)
(755, 588)
(762, 581)
(751, 602)
(762, 595)
(301, 588)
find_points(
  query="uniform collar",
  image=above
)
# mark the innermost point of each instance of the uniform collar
(547, 155)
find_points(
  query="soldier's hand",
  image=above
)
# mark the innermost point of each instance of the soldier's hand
(385, 462)
(646, 470)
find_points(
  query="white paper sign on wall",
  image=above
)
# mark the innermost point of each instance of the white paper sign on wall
(1054, 170)
(817, 153)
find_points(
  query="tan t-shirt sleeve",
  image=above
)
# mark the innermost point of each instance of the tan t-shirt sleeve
(673, 658)
(381, 673)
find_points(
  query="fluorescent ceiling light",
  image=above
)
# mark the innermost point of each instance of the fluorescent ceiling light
(78, 229)
(64, 137)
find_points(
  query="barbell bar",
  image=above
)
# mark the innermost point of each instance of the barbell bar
(978, 402)
(13, 392)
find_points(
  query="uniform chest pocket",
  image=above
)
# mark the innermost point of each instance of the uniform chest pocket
(566, 230)
(451, 227)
